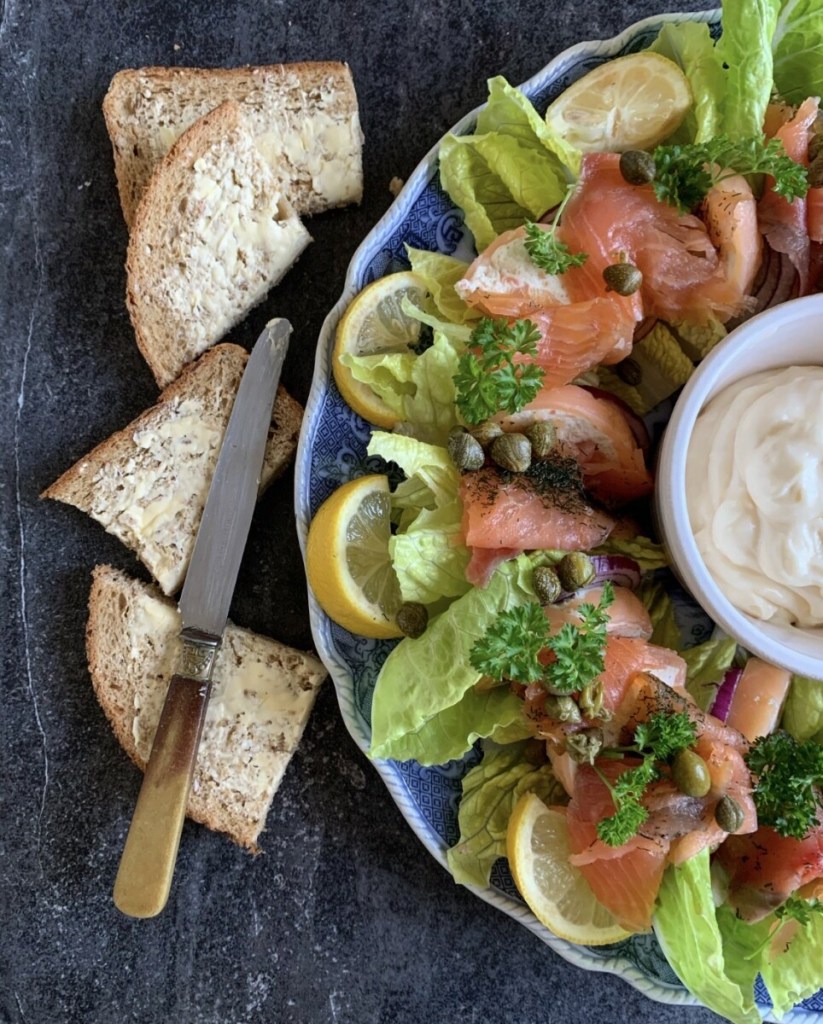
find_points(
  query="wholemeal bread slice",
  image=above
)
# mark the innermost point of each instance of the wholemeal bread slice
(148, 483)
(262, 695)
(212, 234)
(304, 117)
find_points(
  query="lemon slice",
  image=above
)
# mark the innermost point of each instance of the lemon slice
(633, 102)
(556, 892)
(347, 558)
(374, 323)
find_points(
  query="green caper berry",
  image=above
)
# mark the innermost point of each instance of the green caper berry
(816, 172)
(547, 585)
(728, 814)
(543, 437)
(690, 773)
(629, 371)
(465, 452)
(486, 432)
(583, 747)
(575, 570)
(564, 709)
(512, 452)
(623, 278)
(637, 167)
(412, 619)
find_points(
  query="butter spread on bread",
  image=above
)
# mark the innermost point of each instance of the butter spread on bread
(262, 695)
(148, 483)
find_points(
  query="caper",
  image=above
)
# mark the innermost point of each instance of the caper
(547, 585)
(466, 452)
(816, 172)
(623, 278)
(637, 166)
(543, 437)
(728, 814)
(486, 432)
(690, 773)
(412, 619)
(563, 708)
(575, 570)
(584, 746)
(512, 451)
(629, 371)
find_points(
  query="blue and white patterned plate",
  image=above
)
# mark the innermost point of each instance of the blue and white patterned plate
(332, 450)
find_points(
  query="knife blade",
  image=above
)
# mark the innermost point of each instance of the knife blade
(144, 876)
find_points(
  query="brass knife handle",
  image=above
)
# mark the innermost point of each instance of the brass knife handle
(143, 881)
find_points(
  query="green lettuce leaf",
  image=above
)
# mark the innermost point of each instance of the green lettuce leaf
(440, 274)
(647, 553)
(691, 46)
(490, 792)
(745, 46)
(655, 599)
(706, 664)
(688, 932)
(797, 45)
(803, 713)
(797, 971)
(427, 549)
(422, 679)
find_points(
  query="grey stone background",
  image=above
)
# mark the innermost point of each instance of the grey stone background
(344, 918)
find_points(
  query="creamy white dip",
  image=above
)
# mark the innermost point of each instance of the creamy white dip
(754, 491)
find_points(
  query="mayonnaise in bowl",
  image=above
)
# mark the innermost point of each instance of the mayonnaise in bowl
(754, 492)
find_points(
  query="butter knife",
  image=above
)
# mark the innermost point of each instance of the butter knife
(144, 877)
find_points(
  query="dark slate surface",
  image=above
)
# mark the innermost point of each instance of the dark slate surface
(345, 917)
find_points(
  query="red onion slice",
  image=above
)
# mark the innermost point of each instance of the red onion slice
(618, 569)
(725, 694)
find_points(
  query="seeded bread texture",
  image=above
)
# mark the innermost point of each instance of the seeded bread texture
(148, 483)
(304, 117)
(262, 695)
(212, 234)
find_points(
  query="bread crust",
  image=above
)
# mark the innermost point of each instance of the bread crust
(181, 95)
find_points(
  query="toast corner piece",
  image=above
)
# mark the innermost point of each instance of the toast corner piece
(262, 695)
(211, 235)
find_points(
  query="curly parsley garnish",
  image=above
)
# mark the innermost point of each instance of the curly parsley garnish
(548, 253)
(658, 739)
(511, 646)
(488, 379)
(683, 175)
(788, 775)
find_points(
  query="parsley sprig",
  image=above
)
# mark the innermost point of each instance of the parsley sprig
(684, 174)
(511, 646)
(488, 377)
(548, 253)
(794, 909)
(788, 775)
(657, 740)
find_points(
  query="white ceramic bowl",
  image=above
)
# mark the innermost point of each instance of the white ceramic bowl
(787, 335)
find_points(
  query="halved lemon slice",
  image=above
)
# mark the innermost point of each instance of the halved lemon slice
(633, 102)
(557, 893)
(374, 323)
(347, 558)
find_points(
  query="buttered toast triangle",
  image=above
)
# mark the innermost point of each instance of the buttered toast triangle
(262, 695)
(148, 483)
(212, 234)
(304, 118)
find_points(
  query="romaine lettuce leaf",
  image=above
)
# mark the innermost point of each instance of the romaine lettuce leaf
(647, 553)
(803, 713)
(797, 45)
(691, 46)
(440, 274)
(423, 678)
(490, 792)
(655, 599)
(745, 46)
(688, 932)
(427, 550)
(797, 970)
(706, 664)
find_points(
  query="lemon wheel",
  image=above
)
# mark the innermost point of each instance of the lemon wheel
(633, 102)
(373, 323)
(347, 558)
(557, 893)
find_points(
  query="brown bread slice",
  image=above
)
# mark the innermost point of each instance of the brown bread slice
(262, 695)
(304, 117)
(213, 233)
(148, 483)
